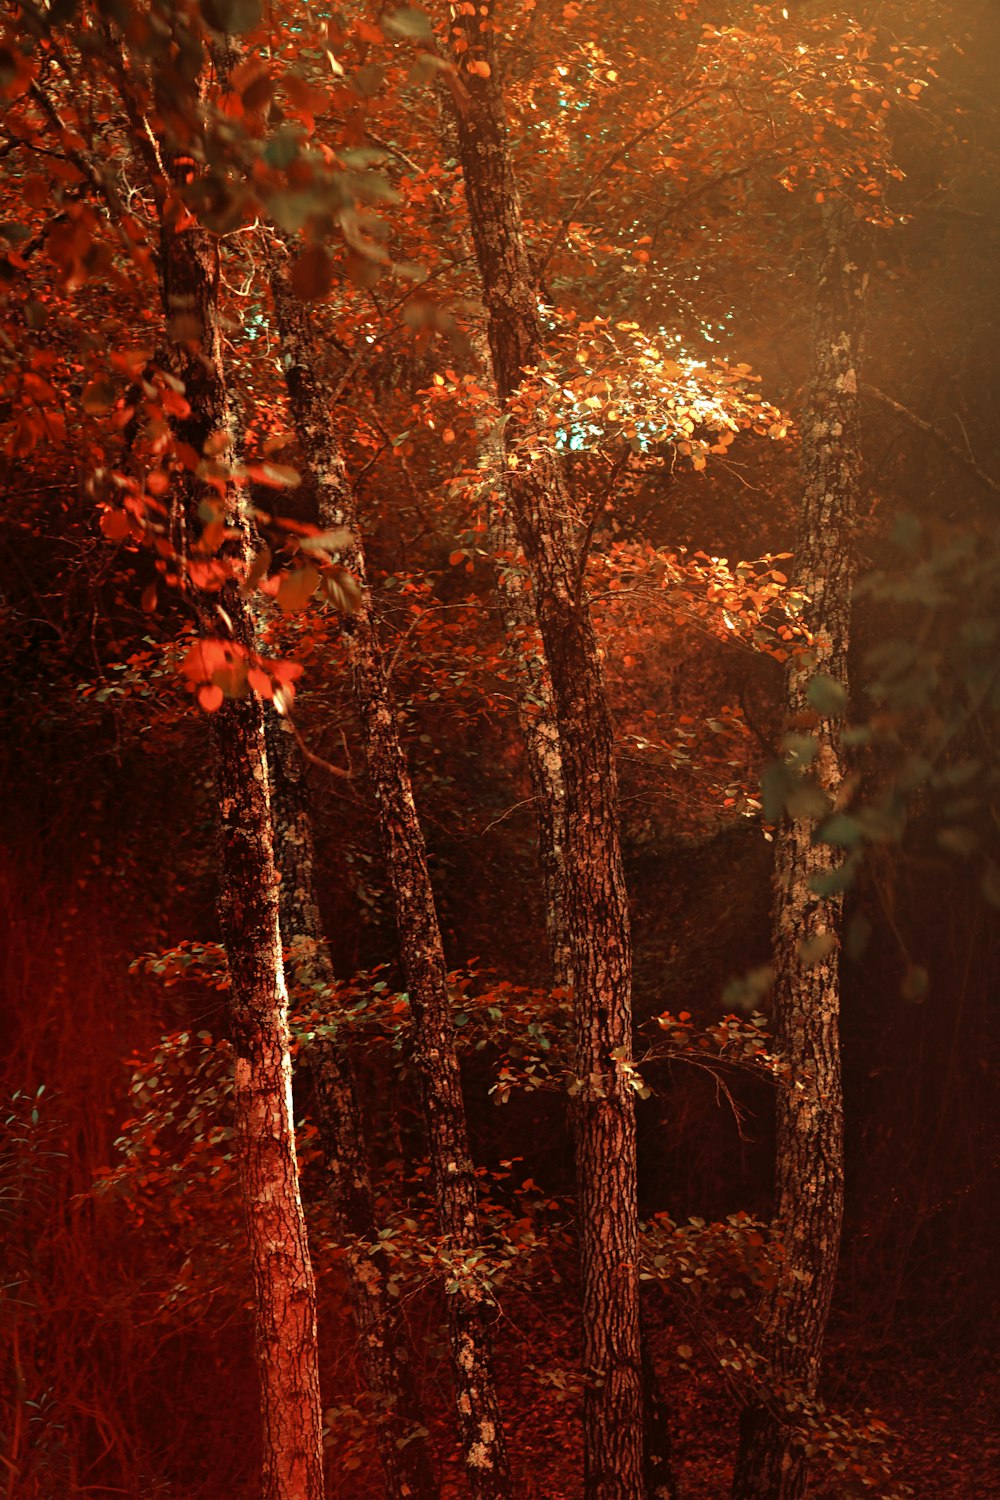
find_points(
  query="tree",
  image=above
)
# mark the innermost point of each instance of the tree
(189, 378)
(652, 156)
(388, 1361)
(599, 946)
(422, 950)
(809, 883)
(285, 1302)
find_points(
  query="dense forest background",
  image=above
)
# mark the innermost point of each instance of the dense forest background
(677, 272)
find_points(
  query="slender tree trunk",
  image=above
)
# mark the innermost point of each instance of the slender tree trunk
(467, 1302)
(536, 709)
(536, 713)
(536, 717)
(401, 1433)
(284, 1288)
(534, 701)
(809, 1177)
(597, 909)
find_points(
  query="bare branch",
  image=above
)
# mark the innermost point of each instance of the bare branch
(937, 436)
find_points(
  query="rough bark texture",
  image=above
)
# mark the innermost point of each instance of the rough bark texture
(536, 717)
(284, 1288)
(809, 1176)
(401, 1432)
(467, 1303)
(596, 903)
(536, 709)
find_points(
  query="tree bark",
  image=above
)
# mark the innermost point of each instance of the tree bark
(284, 1287)
(535, 703)
(809, 1174)
(596, 902)
(401, 1432)
(467, 1302)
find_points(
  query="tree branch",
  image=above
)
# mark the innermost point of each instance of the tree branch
(936, 435)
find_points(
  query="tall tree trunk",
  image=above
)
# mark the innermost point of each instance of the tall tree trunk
(536, 714)
(597, 909)
(401, 1433)
(535, 703)
(467, 1302)
(284, 1288)
(809, 1174)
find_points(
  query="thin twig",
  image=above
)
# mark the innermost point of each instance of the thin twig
(936, 435)
(317, 760)
(588, 536)
(525, 802)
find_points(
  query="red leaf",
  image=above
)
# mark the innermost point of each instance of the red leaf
(115, 525)
(210, 697)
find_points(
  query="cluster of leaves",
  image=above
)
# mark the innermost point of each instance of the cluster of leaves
(734, 1038)
(607, 383)
(708, 1261)
(177, 1146)
(31, 1144)
(935, 685)
(749, 601)
(706, 1267)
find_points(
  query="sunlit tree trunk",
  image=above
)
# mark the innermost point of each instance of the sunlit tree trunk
(284, 1288)
(596, 904)
(387, 1359)
(809, 1172)
(537, 720)
(467, 1303)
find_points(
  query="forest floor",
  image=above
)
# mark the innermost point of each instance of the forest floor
(940, 1412)
(945, 1438)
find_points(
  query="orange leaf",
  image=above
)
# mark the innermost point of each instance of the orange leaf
(210, 697)
(115, 525)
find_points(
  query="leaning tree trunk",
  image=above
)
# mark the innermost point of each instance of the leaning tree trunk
(597, 909)
(401, 1432)
(467, 1302)
(807, 911)
(284, 1288)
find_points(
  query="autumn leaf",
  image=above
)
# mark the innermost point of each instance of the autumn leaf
(257, 569)
(232, 17)
(296, 588)
(337, 539)
(916, 983)
(343, 591)
(98, 396)
(210, 697)
(827, 695)
(812, 950)
(115, 525)
(407, 24)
